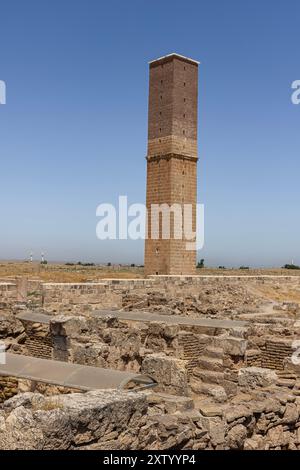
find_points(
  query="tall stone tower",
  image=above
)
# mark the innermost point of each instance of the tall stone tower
(171, 159)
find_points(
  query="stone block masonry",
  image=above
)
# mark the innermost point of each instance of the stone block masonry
(8, 292)
(112, 420)
(173, 294)
(171, 158)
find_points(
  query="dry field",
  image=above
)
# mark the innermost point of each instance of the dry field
(53, 272)
(62, 273)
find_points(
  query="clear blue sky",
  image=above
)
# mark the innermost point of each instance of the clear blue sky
(73, 132)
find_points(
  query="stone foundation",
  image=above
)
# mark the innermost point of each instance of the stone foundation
(181, 295)
(126, 420)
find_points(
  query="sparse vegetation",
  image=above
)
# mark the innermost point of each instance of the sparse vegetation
(70, 272)
(291, 266)
(33, 294)
(85, 264)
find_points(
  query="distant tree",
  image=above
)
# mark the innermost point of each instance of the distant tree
(291, 266)
(44, 262)
(244, 267)
(200, 264)
(69, 264)
(108, 264)
(132, 265)
(222, 267)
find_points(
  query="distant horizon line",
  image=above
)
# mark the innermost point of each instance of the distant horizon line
(109, 264)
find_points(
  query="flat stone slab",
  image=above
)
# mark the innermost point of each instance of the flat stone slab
(70, 375)
(169, 319)
(34, 317)
(209, 409)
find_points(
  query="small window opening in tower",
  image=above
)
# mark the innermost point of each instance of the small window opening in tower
(184, 115)
(161, 97)
(160, 113)
(184, 100)
(183, 83)
(160, 129)
(161, 81)
(183, 131)
(157, 251)
(184, 68)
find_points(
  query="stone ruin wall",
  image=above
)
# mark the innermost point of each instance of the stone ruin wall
(266, 419)
(128, 420)
(8, 293)
(187, 295)
(58, 297)
(37, 340)
(182, 359)
(188, 356)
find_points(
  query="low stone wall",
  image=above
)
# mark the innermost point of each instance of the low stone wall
(126, 420)
(115, 344)
(271, 345)
(38, 341)
(79, 297)
(275, 353)
(8, 293)
(181, 359)
(181, 295)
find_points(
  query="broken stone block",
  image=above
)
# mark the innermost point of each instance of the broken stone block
(170, 373)
(215, 391)
(291, 414)
(208, 408)
(236, 412)
(215, 428)
(253, 377)
(234, 346)
(254, 443)
(276, 437)
(236, 437)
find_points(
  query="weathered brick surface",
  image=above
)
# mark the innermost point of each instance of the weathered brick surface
(171, 158)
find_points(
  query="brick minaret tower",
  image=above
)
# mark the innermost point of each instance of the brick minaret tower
(171, 157)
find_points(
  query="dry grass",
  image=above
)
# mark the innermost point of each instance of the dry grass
(275, 293)
(62, 273)
(249, 272)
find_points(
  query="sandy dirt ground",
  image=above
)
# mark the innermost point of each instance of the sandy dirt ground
(54, 272)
